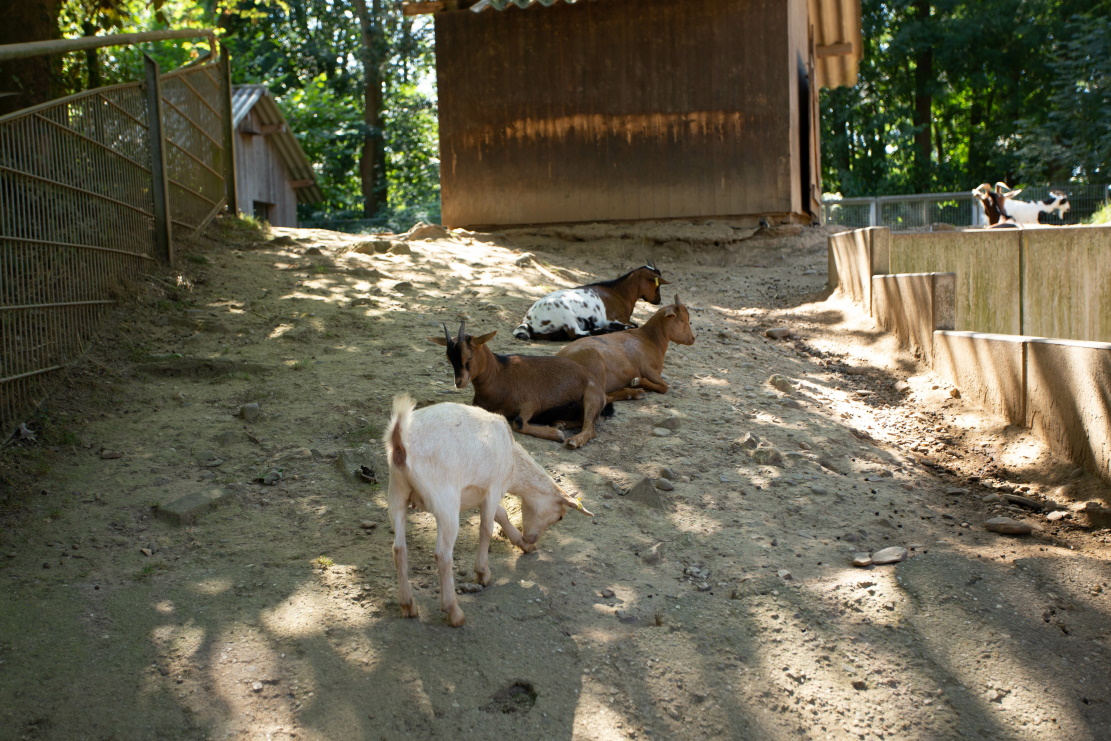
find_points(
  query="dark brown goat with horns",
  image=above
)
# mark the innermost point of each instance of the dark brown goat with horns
(522, 387)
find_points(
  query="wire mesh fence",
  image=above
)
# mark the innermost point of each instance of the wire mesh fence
(78, 213)
(920, 211)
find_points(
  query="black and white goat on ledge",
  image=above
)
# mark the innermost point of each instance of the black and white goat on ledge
(1002, 209)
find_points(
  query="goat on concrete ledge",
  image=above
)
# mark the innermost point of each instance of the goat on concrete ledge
(1026, 212)
(447, 458)
(521, 387)
(597, 308)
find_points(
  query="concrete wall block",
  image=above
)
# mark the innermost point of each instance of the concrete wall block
(1066, 291)
(905, 305)
(881, 249)
(987, 368)
(1069, 399)
(987, 268)
(849, 255)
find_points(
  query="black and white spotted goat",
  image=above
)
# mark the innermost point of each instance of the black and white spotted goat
(598, 308)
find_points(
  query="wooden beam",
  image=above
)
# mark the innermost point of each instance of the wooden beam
(425, 6)
(295, 184)
(834, 50)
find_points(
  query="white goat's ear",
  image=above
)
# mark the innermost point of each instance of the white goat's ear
(484, 338)
(438, 341)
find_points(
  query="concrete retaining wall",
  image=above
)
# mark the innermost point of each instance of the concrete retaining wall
(1067, 283)
(1050, 278)
(988, 269)
(1068, 399)
(912, 306)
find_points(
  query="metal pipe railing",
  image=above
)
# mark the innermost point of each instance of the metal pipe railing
(62, 46)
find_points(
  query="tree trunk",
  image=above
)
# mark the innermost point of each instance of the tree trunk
(372, 163)
(923, 102)
(32, 79)
(92, 57)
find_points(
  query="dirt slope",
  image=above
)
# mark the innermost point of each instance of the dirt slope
(728, 610)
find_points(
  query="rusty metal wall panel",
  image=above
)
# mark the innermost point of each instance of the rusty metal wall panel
(629, 109)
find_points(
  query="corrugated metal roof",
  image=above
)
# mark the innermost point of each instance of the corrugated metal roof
(245, 98)
(838, 42)
(837, 36)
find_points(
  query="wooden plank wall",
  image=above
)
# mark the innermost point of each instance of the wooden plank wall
(615, 110)
(261, 176)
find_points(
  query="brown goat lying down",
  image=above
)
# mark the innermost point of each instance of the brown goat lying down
(524, 387)
(633, 360)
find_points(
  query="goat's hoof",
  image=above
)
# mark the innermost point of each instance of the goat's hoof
(484, 577)
(635, 382)
(572, 443)
(455, 617)
(409, 610)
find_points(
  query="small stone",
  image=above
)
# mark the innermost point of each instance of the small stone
(469, 587)
(146, 552)
(667, 473)
(902, 387)
(110, 454)
(956, 492)
(860, 684)
(654, 554)
(607, 593)
(894, 554)
(368, 525)
(523, 260)
(781, 383)
(256, 687)
(955, 393)
(664, 485)
(748, 442)
(768, 457)
(784, 574)
(646, 494)
(271, 477)
(860, 560)
(661, 432)
(819, 491)
(704, 587)
(1007, 526)
(250, 412)
(669, 423)
(991, 498)
(1058, 515)
(778, 333)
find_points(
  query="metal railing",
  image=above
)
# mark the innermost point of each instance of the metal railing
(923, 210)
(89, 186)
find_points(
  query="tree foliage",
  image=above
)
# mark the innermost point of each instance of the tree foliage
(1014, 89)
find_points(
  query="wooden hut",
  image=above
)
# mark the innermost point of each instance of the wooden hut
(599, 110)
(272, 173)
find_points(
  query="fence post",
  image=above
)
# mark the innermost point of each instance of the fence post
(163, 236)
(873, 213)
(229, 134)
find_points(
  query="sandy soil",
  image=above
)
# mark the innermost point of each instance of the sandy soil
(724, 608)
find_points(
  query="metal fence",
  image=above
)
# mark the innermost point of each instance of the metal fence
(901, 213)
(88, 187)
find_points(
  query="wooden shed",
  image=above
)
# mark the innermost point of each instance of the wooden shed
(272, 173)
(558, 111)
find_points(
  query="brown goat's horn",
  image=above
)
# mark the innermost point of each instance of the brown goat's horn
(446, 333)
(677, 301)
(462, 330)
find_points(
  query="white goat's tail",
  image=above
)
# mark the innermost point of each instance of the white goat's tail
(395, 448)
(522, 332)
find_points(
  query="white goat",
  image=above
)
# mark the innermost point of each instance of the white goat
(1025, 212)
(447, 458)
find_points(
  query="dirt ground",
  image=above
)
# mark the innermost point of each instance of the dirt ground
(726, 607)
